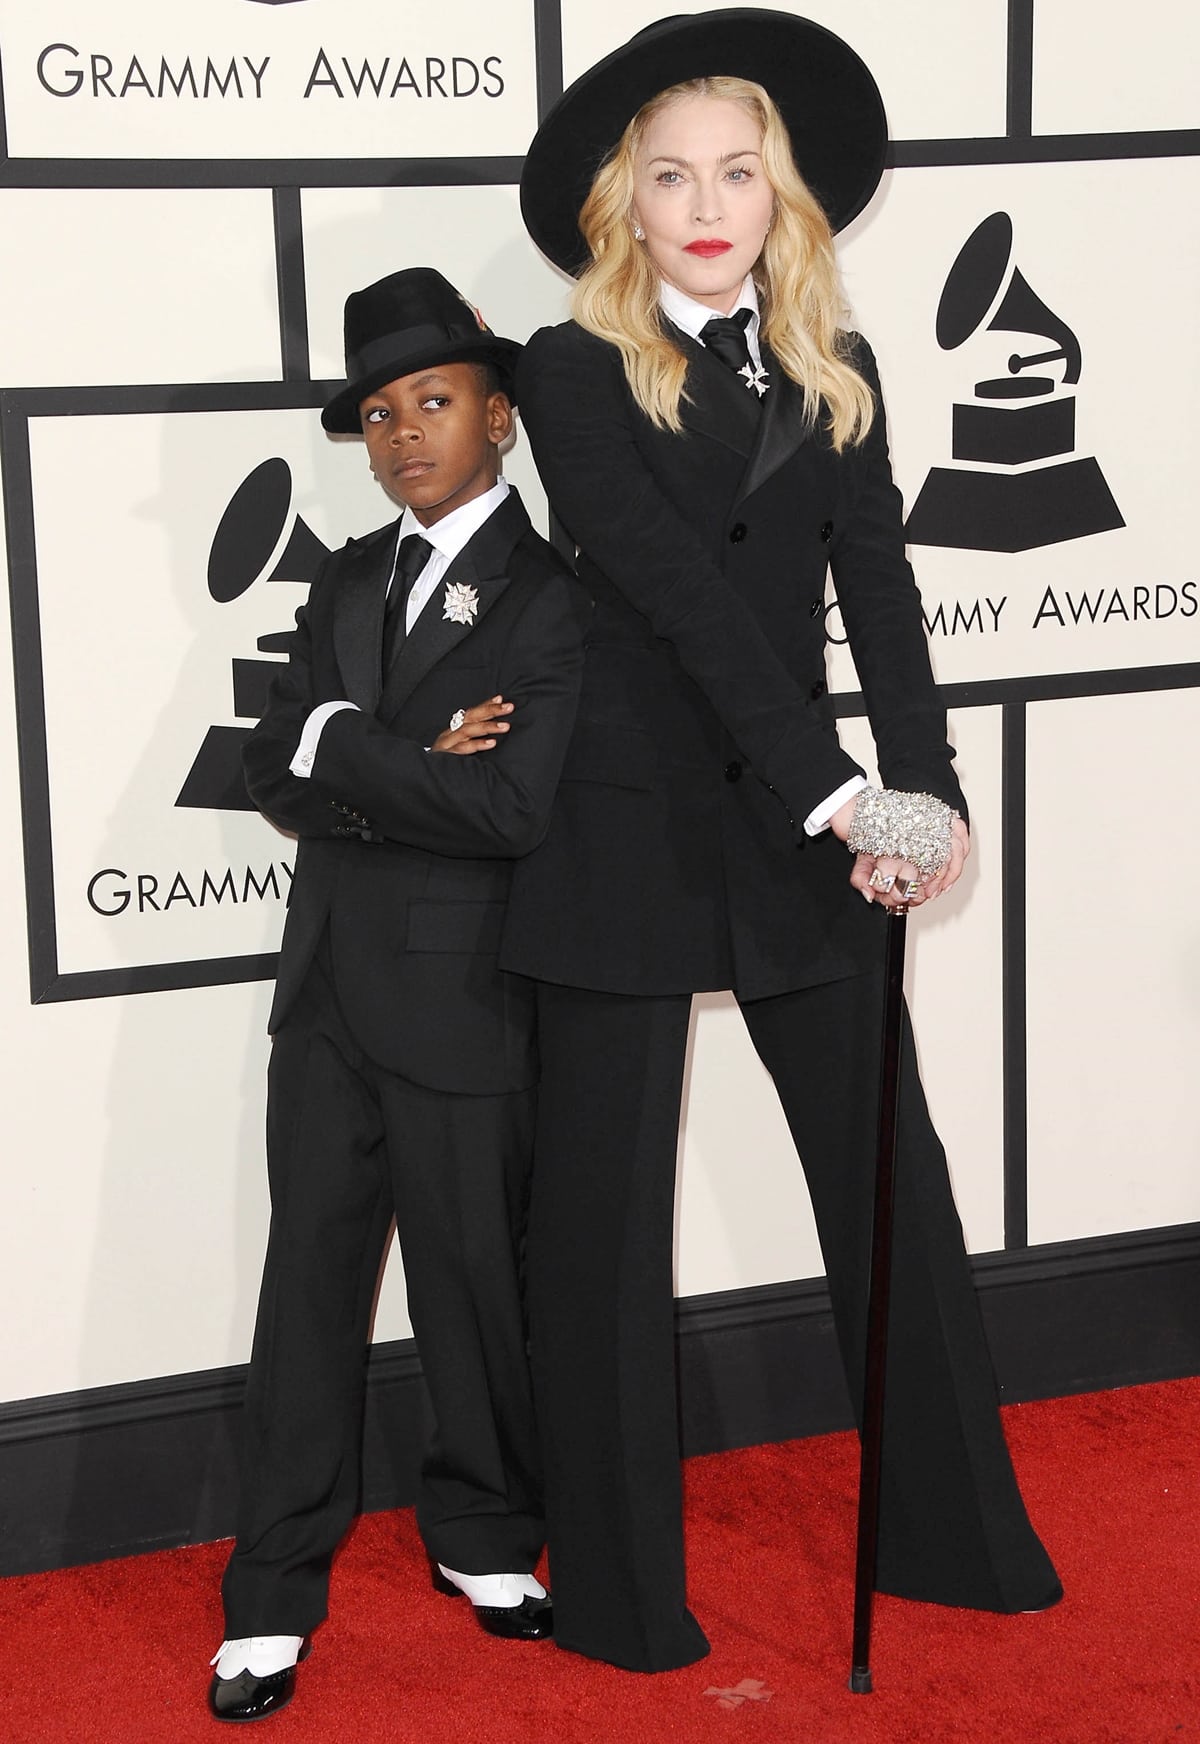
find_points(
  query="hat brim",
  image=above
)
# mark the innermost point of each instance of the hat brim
(829, 101)
(340, 416)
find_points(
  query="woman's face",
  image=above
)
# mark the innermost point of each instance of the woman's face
(702, 197)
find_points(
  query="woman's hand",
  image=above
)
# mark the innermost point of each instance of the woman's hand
(960, 847)
(900, 871)
(480, 728)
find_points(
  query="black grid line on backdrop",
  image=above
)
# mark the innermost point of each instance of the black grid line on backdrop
(291, 286)
(1018, 119)
(1014, 873)
(494, 172)
(286, 178)
(547, 35)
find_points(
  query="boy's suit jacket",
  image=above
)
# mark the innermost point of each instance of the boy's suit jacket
(407, 854)
(676, 858)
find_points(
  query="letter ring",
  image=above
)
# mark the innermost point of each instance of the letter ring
(457, 719)
(881, 880)
(909, 889)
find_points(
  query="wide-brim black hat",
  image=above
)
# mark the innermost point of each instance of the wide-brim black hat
(406, 322)
(824, 91)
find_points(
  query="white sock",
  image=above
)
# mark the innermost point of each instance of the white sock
(501, 1592)
(260, 1655)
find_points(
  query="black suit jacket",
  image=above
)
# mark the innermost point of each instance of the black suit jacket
(407, 854)
(676, 858)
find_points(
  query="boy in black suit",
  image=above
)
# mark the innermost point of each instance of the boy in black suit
(403, 1060)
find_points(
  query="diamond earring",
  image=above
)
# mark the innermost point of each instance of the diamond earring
(639, 235)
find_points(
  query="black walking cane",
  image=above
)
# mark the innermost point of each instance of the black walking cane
(877, 1305)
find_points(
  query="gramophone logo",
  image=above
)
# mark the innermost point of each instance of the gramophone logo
(249, 531)
(1017, 482)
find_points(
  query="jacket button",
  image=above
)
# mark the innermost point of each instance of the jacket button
(814, 610)
(737, 532)
(818, 689)
(733, 771)
(827, 531)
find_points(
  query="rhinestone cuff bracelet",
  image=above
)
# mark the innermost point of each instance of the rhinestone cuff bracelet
(905, 826)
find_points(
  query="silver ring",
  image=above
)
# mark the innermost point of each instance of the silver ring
(909, 889)
(881, 880)
(457, 719)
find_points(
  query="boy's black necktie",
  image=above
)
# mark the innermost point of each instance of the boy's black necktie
(725, 337)
(411, 559)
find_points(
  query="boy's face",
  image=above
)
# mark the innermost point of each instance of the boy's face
(433, 437)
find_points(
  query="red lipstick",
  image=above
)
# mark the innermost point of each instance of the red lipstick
(708, 248)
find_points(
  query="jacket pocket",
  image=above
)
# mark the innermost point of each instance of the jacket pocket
(470, 927)
(620, 756)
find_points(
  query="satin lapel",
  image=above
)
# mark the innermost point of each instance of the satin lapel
(480, 565)
(783, 429)
(721, 405)
(358, 617)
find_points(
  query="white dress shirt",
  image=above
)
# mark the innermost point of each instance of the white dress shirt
(691, 317)
(447, 537)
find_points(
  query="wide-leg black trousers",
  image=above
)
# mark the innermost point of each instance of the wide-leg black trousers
(953, 1525)
(348, 1146)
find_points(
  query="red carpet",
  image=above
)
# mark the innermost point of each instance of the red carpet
(116, 1652)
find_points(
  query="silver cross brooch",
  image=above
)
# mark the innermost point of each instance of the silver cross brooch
(757, 379)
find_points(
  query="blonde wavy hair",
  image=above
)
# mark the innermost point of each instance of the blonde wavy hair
(617, 297)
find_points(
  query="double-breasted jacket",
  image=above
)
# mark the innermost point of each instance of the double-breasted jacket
(676, 858)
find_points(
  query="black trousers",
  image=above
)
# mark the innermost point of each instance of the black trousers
(953, 1526)
(348, 1146)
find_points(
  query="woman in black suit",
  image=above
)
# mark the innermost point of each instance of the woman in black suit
(710, 475)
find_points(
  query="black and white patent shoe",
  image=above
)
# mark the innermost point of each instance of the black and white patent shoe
(255, 1676)
(514, 1607)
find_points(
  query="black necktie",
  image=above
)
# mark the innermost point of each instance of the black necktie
(410, 561)
(725, 337)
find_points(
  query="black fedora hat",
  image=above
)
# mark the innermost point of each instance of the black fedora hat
(825, 93)
(406, 322)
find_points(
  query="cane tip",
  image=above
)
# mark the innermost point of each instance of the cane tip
(860, 1680)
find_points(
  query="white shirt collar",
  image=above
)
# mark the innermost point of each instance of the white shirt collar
(453, 531)
(691, 316)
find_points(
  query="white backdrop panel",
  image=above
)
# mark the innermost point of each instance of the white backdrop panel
(1111, 599)
(137, 285)
(743, 1209)
(744, 1212)
(135, 1223)
(137, 661)
(909, 49)
(353, 236)
(135, 79)
(1105, 69)
(1114, 965)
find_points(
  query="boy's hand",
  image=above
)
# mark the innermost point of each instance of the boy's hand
(479, 729)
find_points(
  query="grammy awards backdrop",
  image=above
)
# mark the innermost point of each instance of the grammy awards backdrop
(188, 195)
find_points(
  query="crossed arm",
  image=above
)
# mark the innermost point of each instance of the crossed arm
(473, 806)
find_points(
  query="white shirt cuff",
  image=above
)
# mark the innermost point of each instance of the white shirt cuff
(301, 764)
(818, 819)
